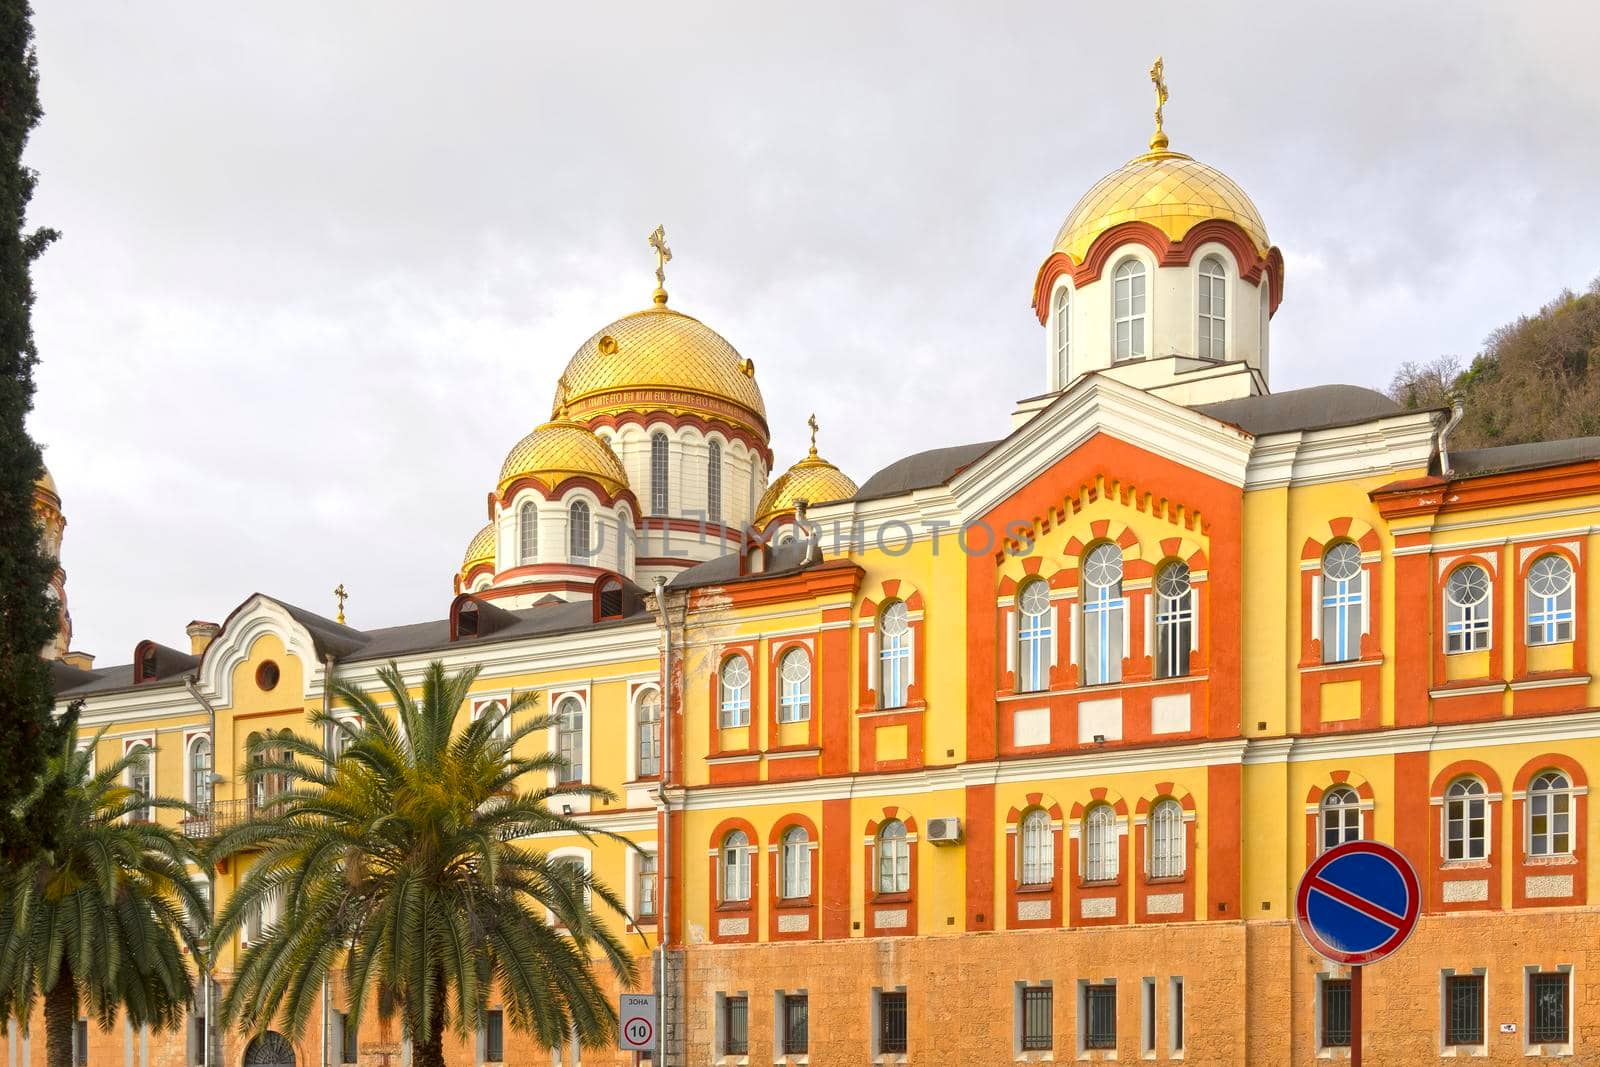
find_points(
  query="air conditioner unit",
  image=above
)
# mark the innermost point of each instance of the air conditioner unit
(944, 831)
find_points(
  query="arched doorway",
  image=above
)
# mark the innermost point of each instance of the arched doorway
(271, 1049)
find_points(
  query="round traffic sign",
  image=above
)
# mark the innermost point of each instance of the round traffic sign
(638, 1032)
(1358, 902)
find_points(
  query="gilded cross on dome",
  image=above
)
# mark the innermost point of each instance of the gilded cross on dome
(340, 595)
(560, 411)
(812, 422)
(658, 241)
(1158, 140)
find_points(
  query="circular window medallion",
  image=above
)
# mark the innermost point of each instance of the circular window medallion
(267, 676)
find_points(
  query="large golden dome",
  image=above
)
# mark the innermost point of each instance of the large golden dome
(813, 479)
(563, 449)
(660, 359)
(480, 549)
(1169, 190)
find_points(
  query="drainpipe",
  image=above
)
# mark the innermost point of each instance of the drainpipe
(327, 710)
(1457, 412)
(663, 850)
(211, 872)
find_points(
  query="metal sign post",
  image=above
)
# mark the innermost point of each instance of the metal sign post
(1357, 903)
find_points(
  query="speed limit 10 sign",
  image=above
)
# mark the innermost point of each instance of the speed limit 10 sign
(636, 1018)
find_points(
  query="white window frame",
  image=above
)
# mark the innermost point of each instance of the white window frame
(734, 702)
(733, 868)
(1137, 319)
(794, 695)
(1562, 794)
(1553, 615)
(1342, 601)
(636, 747)
(1457, 809)
(892, 858)
(714, 480)
(660, 472)
(556, 777)
(1102, 860)
(794, 863)
(480, 704)
(1036, 849)
(895, 658)
(1468, 624)
(635, 874)
(1338, 815)
(1209, 318)
(148, 742)
(1061, 335)
(587, 557)
(1105, 609)
(1036, 635)
(527, 531)
(1175, 624)
(1168, 834)
(189, 770)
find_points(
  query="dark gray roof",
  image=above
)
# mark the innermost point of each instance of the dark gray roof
(782, 559)
(921, 470)
(1504, 458)
(1321, 407)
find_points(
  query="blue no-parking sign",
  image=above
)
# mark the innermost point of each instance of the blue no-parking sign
(1358, 902)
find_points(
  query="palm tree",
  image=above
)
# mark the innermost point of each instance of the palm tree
(395, 852)
(110, 917)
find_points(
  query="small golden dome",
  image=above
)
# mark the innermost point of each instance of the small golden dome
(480, 549)
(813, 479)
(660, 359)
(563, 449)
(47, 483)
(1169, 190)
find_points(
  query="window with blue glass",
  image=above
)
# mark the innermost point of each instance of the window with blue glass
(1550, 605)
(894, 668)
(1105, 615)
(1034, 634)
(1343, 588)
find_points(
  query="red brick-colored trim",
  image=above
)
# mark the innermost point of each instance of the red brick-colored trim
(1147, 886)
(1475, 705)
(562, 489)
(648, 419)
(876, 903)
(806, 643)
(979, 847)
(1535, 699)
(1576, 865)
(1051, 891)
(1489, 868)
(1113, 889)
(729, 772)
(1364, 669)
(745, 909)
(834, 879)
(1314, 797)
(778, 905)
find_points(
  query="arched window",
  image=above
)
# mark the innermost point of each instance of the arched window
(1466, 609)
(894, 858)
(735, 867)
(1343, 584)
(735, 692)
(894, 668)
(1174, 620)
(1034, 636)
(579, 521)
(648, 724)
(528, 532)
(1105, 615)
(1038, 866)
(200, 772)
(796, 864)
(714, 481)
(1550, 815)
(1062, 319)
(1213, 305)
(1466, 826)
(1100, 844)
(1549, 603)
(1168, 852)
(658, 473)
(794, 674)
(1340, 816)
(569, 738)
(1127, 290)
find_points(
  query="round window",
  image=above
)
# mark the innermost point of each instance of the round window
(267, 676)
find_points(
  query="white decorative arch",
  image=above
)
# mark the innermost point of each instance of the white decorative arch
(257, 616)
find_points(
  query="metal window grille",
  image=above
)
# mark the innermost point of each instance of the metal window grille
(796, 1024)
(1167, 845)
(649, 734)
(714, 482)
(1100, 1009)
(1038, 849)
(528, 532)
(494, 1037)
(735, 1026)
(1038, 1025)
(1547, 1009)
(658, 474)
(1463, 1009)
(1336, 1013)
(891, 1022)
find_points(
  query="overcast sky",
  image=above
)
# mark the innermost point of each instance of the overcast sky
(322, 263)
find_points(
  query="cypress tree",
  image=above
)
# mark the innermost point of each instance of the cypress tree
(28, 613)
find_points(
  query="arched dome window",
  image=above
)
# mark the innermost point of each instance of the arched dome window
(1128, 314)
(1061, 320)
(658, 473)
(578, 520)
(528, 532)
(1213, 306)
(714, 481)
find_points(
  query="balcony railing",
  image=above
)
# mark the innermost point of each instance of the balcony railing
(211, 819)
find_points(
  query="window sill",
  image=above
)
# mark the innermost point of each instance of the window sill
(891, 898)
(916, 707)
(1458, 1051)
(786, 751)
(795, 903)
(1549, 679)
(1168, 879)
(1102, 883)
(735, 906)
(1465, 865)
(1317, 666)
(740, 755)
(1040, 890)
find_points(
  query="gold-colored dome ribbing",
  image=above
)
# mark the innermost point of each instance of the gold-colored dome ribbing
(1169, 190)
(480, 549)
(47, 482)
(661, 359)
(813, 479)
(563, 449)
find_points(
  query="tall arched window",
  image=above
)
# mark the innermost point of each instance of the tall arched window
(528, 532)
(1062, 319)
(658, 473)
(569, 739)
(1101, 861)
(1343, 584)
(714, 481)
(894, 858)
(1168, 850)
(1466, 609)
(795, 862)
(1550, 815)
(1127, 289)
(1213, 305)
(1034, 636)
(648, 725)
(1549, 604)
(1174, 620)
(1466, 826)
(794, 674)
(734, 685)
(1340, 816)
(578, 518)
(1105, 615)
(894, 668)
(1038, 866)
(735, 867)
(200, 772)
